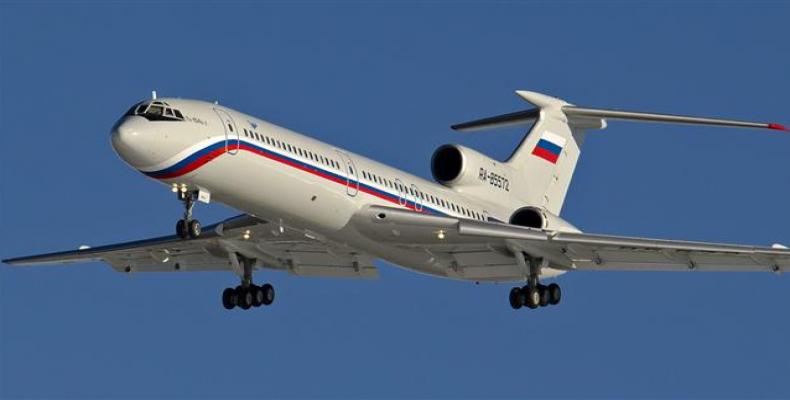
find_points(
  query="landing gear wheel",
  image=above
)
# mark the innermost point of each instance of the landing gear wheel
(544, 295)
(257, 295)
(229, 298)
(533, 297)
(516, 299)
(555, 293)
(194, 228)
(268, 294)
(245, 297)
(182, 230)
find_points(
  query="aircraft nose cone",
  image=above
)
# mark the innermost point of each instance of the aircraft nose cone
(130, 139)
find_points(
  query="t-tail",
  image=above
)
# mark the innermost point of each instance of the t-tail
(546, 158)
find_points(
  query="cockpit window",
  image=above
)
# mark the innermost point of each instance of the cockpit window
(156, 111)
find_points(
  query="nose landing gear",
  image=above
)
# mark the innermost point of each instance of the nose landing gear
(188, 227)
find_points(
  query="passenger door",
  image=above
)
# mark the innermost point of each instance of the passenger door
(231, 131)
(352, 177)
(401, 192)
(417, 197)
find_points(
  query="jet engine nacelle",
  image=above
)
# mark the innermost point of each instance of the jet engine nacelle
(466, 170)
(533, 217)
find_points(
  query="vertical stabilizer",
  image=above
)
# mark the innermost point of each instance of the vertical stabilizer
(548, 154)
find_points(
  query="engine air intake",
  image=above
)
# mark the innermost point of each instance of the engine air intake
(447, 163)
(528, 217)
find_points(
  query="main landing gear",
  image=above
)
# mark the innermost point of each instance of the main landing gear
(188, 227)
(247, 294)
(533, 294)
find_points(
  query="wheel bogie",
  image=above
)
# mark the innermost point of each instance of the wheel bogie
(534, 296)
(246, 297)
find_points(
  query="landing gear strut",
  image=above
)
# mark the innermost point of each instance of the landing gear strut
(188, 227)
(247, 294)
(533, 294)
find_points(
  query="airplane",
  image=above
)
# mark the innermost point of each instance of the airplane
(313, 209)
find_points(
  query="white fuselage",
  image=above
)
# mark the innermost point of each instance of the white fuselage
(279, 175)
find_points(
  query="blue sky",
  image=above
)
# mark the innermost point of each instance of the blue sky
(386, 81)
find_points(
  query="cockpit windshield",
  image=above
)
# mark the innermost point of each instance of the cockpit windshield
(156, 111)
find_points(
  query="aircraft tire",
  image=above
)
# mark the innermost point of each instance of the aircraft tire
(182, 229)
(257, 295)
(516, 299)
(268, 294)
(229, 298)
(555, 294)
(532, 297)
(194, 228)
(544, 295)
(245, 298)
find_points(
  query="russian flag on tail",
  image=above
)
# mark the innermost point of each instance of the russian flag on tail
(549, 146)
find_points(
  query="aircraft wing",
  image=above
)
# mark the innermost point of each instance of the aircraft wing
(272, 245)
(484, 250)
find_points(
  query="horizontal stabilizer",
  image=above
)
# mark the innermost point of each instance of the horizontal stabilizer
(573, 112)
(499, 121)
(582, 116)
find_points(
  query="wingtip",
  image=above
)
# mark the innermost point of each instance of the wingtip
(778, 127)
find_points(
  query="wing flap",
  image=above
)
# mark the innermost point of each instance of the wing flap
(484, 246)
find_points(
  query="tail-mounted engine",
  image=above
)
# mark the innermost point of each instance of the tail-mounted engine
(470, 172)
(533, 217)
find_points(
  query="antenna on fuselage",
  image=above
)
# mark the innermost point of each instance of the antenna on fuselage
(153, 95)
